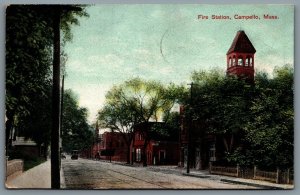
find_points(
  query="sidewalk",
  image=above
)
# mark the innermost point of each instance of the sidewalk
(205, 174)
(38, 177)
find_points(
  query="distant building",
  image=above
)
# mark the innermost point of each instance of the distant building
(160, 149)
(28, 147)
(25, 145)
(113, 147)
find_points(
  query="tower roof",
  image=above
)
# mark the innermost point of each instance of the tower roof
(241, 43)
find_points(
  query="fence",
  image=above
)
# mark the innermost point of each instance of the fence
(283, 177)
(229, 171)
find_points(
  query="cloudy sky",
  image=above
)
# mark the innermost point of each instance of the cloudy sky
(167, 43)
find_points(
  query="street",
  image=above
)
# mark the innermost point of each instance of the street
(90, 174)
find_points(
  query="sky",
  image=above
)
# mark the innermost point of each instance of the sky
(166, 43)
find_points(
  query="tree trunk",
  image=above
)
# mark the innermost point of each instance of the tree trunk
(127, 141)
(225, 144)
(132, 157)
(144, 153)
(128, 154)
(228, 143)
(231, 143)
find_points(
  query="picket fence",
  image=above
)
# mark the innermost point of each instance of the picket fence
(278, 176)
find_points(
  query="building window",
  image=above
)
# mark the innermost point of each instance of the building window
(138, 155)
(233, 61)
(251, 62)
(240, 61)
(139, 136)
(247, 61)
(230, 62)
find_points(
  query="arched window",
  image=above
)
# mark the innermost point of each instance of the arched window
(138, 153)
(230, 62)
(240, 61)
(251, 61)
(247, 61)
(233, 61)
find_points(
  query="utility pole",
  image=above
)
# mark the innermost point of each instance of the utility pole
(189, 132)
(56, 10)
(55, 168)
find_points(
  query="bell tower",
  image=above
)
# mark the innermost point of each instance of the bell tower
(240, 57)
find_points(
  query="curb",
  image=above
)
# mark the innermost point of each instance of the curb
(194, 175)
(266, 187)
(255, 185)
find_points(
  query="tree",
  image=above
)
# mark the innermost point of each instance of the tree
(29, 45)
(219, 107)
(136, 102)
(27, 61)
(118, 117)
(37, 125)
(269, 133)
(76, 132)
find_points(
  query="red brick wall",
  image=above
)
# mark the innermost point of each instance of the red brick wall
(114, 140)
(158, 152)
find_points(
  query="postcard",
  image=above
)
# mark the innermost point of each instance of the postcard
(150, 96)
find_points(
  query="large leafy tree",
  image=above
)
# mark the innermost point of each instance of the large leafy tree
(29, 45)
(218, 107)
(269, 133)
(118, 117)
(135, 102)
(259, 116)
(28, 58)
(76, 134)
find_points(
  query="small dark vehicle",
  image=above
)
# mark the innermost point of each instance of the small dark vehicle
(74, 155)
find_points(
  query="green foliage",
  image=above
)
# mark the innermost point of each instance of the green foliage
(29, 53)
(261, 115)
(37, 125)
(76, 132)
(270, 130)
(217, 106)
(172, 126)
(28, 57)
(137, 101)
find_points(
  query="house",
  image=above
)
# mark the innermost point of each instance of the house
(111, 147)
(155, 148)
(28, 147)
(203, 148)
(107, 146)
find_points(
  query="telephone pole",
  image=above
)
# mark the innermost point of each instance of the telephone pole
(57, 11)
(189, 131)
(55, 168)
